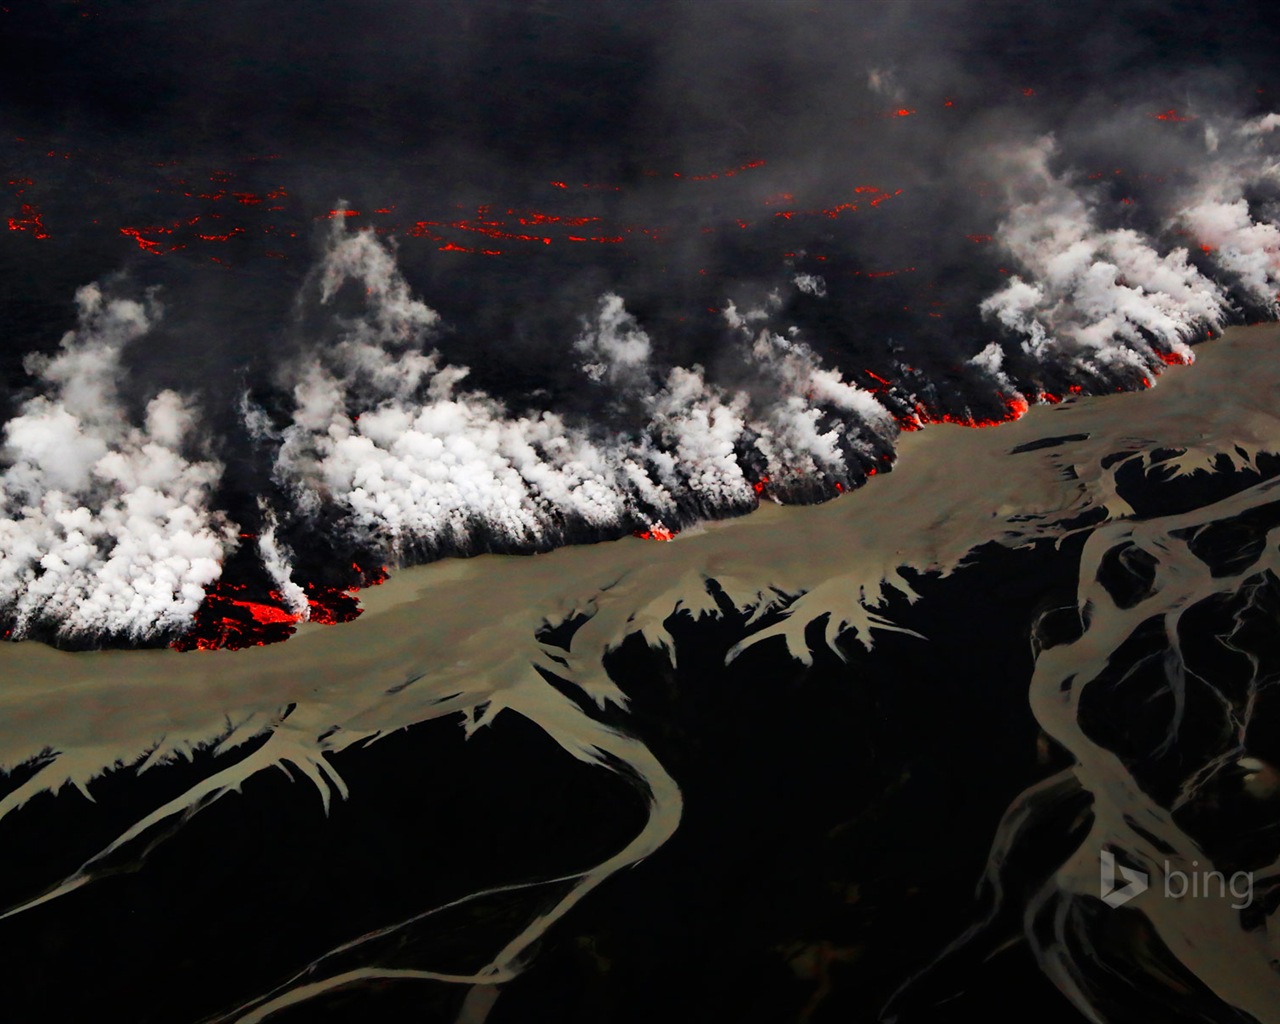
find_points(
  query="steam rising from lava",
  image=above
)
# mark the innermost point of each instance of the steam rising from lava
(106, 528)
(1104, 296)
(384, 430)
(1106, 299)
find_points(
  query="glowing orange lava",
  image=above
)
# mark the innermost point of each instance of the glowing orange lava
(226, 620)
(1017, 407)
(29, 221)
(221, 238)
(147, 244)
(656, 532)
(881, 385)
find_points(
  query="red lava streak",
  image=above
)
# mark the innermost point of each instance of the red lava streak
(455, 233)
(221, 238)
(655, 532)
(29, 221)
(1171, 115)
(148, 244)
(881, 385)
(233, 623)
(917, 420)
(228, 621)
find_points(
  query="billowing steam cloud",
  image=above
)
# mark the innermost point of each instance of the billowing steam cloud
(1102, 298)
(386, 432)
(105, 525)
(1225, 223)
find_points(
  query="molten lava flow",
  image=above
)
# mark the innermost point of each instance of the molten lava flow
(452, 234)
(228, 620)
(29, 221)
(147, 244)
(656, 532)
(878, 197)
(1172, 115)
(330, 605)
(1017, 407)
(221, 238)
(881, 385)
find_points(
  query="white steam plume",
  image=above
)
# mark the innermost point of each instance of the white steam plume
(381, 428)
(815, 416)
(811, 284)
(387, 433)
(1220, 216)
(1244, 248)
(277, 559)
(105, 526)
(1102, 299)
